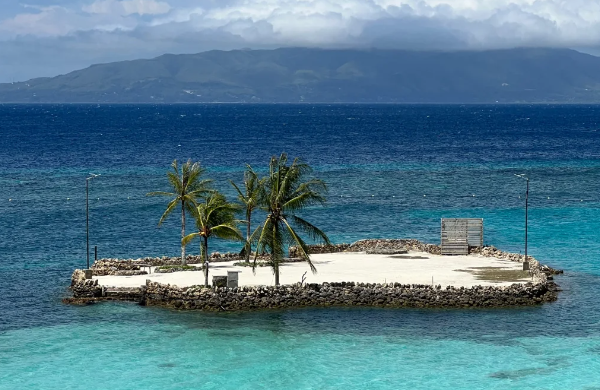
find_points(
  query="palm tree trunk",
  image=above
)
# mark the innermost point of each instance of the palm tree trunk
(275, 252)
(182, 233)
(205, 261)
(276, 268)
(248, 245)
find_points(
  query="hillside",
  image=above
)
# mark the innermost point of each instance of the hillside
(318, 75)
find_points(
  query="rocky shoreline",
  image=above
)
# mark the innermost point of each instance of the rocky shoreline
(327, 294)
(345, 294)
(541, 290)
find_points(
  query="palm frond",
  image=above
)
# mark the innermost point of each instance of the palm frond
(241, 196)
(160, 193)
(312, 185)
(193, 172)
(187, 239)
(227, 232)
(191, 206)
(256, 234)
(311, 230)
(175, 181)
(262, 238)
(170, 207)
(200, 188)
(300, 244)
(303, 200)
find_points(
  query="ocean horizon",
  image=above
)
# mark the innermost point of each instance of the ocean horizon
(393, 171)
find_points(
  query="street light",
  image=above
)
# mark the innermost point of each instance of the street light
(87, 217)
(526, 262)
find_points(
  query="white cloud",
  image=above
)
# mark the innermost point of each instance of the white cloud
(46, 22)
(478, 23)
(55, 21)
(128, 7)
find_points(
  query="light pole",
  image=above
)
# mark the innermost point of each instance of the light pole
(87, 217)
(526, 262)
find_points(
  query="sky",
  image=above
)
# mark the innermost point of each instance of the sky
(40, 38)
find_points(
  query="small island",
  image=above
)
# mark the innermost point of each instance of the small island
(381, 273)
(374, 272)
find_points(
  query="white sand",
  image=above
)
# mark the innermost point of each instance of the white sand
(342, 267)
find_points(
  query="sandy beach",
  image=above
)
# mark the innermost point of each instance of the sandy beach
(411, 268)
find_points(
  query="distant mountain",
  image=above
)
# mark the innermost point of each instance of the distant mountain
(318, 75)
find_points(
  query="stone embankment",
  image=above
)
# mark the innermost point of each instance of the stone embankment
(86, 291)
(293, 251)
(375, 245)
(326, 294)
(345, 294)
(129, 267)
(384, 246)
(177, 268)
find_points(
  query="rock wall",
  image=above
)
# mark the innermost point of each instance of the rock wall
(89, 291)
(111, 266)
(391, 245)
(326, 294)
(345, 294)
(77, 277)
(317, 249)
(170, 270)
(104, 267)
(371, 246)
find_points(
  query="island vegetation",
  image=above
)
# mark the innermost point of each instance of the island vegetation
(187, 187)
(251, 197)
(287, 189)
(215, 217)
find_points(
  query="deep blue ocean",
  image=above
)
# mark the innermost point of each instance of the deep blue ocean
(393, 171)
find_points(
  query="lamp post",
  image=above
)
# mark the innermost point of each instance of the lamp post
(87, 217)
(526, 262)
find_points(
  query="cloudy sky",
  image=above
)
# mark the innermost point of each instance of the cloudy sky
(50, 37)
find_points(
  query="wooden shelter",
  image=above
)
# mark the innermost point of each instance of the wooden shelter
(458, 234)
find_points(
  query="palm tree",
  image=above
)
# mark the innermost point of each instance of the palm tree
(287, 192)
(250, 199)
(214, 217)
(187, 189)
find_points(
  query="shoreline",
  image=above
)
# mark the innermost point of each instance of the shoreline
(491, 293)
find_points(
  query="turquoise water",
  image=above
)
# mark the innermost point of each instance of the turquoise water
(393, 171)
(288, 350)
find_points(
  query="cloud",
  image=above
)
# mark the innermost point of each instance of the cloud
(138, 28)
(477, 23)
(59, 21)
(128, 7)
(46, 21)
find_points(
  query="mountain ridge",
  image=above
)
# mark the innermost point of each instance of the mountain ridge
(288, 75)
